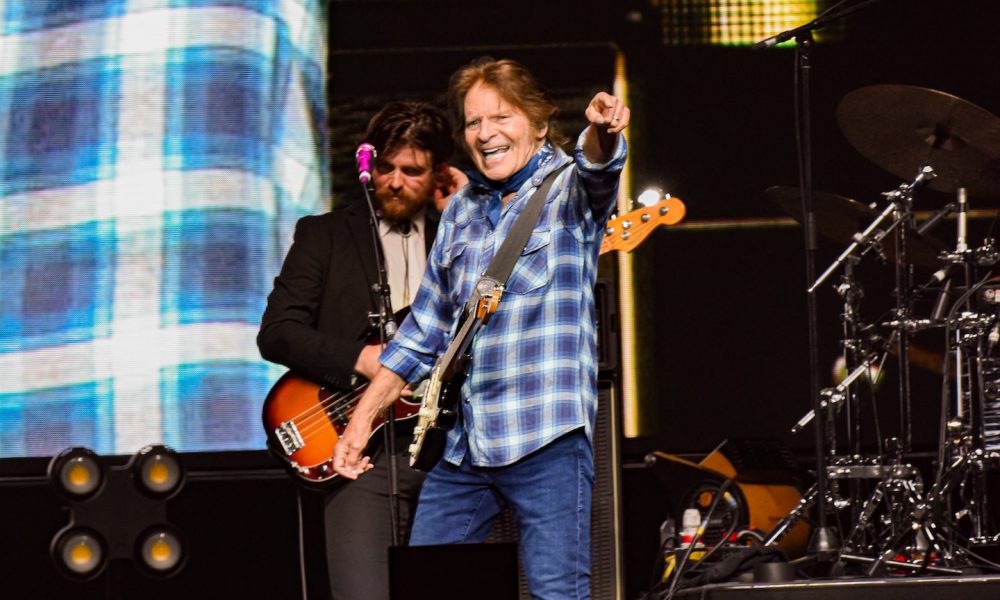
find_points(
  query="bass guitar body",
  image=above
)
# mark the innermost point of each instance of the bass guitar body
(304, 420)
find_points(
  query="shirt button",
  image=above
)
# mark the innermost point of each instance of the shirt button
(537, 181)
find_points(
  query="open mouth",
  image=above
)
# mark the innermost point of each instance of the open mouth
(490, 154)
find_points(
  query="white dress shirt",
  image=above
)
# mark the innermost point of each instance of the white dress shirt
(405, 258)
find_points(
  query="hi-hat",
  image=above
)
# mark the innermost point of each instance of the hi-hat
(901, 128)
(839, 218)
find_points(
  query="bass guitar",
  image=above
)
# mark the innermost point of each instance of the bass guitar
(627, 231)
(303, 420)
(439, 409)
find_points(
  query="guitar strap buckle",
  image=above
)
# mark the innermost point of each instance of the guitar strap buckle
(487, 286)
(485, 298)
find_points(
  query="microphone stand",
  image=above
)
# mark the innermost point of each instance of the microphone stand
(386, 326)
(824, 544)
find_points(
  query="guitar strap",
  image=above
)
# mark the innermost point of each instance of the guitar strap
(502, 265)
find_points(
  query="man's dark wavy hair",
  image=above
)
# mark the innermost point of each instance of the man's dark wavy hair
(416, 124)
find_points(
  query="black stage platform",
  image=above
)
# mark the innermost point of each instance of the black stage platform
(968, 587)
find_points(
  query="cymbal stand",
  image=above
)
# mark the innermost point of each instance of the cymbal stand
(961, 455)
(899, 206)
(851, 293)
(903, 313)
(823, 543)
(829, 399)
(923, 521)
(971, 338)
(854, 347)
(900, 201)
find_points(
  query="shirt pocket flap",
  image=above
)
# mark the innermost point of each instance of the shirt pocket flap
(532, 269)
(451, 254)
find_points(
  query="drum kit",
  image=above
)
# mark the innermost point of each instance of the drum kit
(893, 517)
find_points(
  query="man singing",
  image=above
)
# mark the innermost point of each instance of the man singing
(529, 402)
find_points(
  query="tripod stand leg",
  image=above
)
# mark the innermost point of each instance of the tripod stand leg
(786, 524)
(865, 517)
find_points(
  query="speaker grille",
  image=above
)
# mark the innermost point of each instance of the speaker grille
(605, 519)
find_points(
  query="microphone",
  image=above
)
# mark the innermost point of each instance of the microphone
(963, 213)
(939, 276)
(364, 155)
(938, 216)
(774, 40)
(942, 302)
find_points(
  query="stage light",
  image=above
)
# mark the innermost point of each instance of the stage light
(77, 473)
(739, 22)
(79, 552)
(161, 550)
(158, 471)
(650, 196)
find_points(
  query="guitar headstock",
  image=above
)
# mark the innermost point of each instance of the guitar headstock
(627, 231)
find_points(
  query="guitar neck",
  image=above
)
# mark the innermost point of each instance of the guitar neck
(459, 344)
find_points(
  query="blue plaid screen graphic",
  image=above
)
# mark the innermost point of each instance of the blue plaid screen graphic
(154, 157)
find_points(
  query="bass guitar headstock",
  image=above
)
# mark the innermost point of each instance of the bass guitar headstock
(626, 232)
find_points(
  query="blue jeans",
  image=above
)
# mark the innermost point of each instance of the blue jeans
(549, 492)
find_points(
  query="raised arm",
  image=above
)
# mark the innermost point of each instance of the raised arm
(608, 117)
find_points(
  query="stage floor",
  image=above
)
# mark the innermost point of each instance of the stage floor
(966, 587)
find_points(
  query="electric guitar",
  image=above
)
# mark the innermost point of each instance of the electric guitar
(438, 411)
(303, 420)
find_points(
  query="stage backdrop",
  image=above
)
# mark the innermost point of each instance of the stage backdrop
(154, 156)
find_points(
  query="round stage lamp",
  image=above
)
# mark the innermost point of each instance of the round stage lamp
(79, 552)
(77, 473)
(158, 471)
(161, 550)
(650, 196)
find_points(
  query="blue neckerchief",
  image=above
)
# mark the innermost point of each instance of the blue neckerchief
(498, 189)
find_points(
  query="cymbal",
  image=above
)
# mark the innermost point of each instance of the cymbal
(901, 128)
(839, 218)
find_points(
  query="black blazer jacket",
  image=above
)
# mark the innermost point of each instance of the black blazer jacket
(317, 314)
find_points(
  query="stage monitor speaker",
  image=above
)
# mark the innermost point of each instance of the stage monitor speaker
(606, 309)
(606, 561)
(454, 572)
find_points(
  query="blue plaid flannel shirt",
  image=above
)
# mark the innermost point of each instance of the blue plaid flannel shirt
(534, 369)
